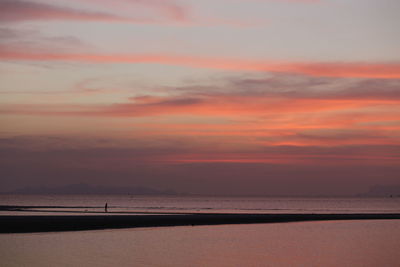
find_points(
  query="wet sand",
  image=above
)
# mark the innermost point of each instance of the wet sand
(38, 223)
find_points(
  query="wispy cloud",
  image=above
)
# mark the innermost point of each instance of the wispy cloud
(18, 11)
(223, 105)
(273, 111)
(20, 39)
(168, 8)
(327, 69)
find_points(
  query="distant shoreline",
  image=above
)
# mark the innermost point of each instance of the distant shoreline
(45, 223)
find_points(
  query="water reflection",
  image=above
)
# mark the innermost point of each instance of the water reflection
(349, 243)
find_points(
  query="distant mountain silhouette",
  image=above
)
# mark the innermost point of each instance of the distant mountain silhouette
(383, 191)
(85, 189)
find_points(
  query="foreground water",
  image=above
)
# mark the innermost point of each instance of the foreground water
(344, 243)
(335, 243)
(95, 203)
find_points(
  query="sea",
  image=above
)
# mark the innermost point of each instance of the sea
(328, 243)
(127, 204)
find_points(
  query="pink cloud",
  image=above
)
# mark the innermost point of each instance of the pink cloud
(281, 111)
(231, 106)
(322, 69)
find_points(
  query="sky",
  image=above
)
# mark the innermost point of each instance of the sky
(263, 97)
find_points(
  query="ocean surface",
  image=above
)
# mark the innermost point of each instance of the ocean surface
(366, 243)
(69, 204)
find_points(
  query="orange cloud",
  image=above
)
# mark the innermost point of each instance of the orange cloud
(277, 121)
(223, 106)
(327, 69)
(249, 113)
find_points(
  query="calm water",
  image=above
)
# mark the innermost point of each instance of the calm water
(335, 243)
(88, 204)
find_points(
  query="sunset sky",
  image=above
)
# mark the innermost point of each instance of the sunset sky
(212, 96)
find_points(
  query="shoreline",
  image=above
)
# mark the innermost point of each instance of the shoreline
(49, 223)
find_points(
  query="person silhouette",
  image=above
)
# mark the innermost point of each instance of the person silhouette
(106, 207)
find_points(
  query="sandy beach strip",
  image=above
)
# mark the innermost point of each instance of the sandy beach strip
(37, 223)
